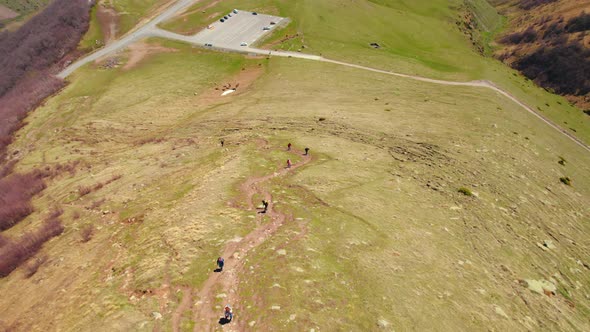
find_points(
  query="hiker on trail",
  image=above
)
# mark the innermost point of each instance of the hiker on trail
(306, 151)
(289, 163)
(222, 142)
(265, 204)
(227, 313)
(289, 147)
(220, 263)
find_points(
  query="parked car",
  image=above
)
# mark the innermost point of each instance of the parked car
(222, 20)
(254, 13)
(273, 22)
(229, 15)
(207, 44)
(225, 17)
(244, 44)
(235, 11)
(266, 28)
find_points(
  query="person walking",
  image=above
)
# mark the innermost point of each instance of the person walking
(227, 313)
(306, 151)
(222, 142)
(289, 163)
(220, 263)
(289, 147)
(265, 204)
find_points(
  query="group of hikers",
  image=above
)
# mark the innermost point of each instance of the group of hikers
(289, 164)
(227, 310)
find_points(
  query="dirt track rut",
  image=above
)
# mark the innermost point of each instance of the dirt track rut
(227, 282)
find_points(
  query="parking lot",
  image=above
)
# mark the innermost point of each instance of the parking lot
(243, 27)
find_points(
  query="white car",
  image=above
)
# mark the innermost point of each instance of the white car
(266, 28)
(244, 44)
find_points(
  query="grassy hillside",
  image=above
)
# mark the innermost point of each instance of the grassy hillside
(416, 38)
(131, 12)
(380, 237)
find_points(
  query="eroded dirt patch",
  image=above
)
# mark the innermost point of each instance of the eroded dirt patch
(109, 22)
(140, 50)
(6, 13)
(240, 83)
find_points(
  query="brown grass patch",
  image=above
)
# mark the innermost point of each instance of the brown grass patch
(109, 22)
(241, 82)
(6, 13)
(140, 50)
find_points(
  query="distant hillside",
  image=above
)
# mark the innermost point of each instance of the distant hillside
(548, 41)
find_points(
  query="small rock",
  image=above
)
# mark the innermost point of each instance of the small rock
(252, 323)
(540, 286)
(156, 315)
(500, 311)
(549, 244)
(282, 252)
(292, 317)
(275, 307)
(382, 323)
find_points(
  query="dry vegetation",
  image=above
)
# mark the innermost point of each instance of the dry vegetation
(26, 58)
(548, 42)
(17, 251)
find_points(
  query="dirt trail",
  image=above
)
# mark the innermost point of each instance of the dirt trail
(227, 282)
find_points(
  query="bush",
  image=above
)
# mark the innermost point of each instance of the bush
(465, 191)
(42, 41)
(86, 233)
(21, 99)
(527, 36)
(563, 68)
(565, 180)
(530, 4)
(33, 267)
(14, 253)
(578, 23)
(16, 192)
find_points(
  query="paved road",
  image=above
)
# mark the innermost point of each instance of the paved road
(242, 27)
(150, 30)
(142, 32)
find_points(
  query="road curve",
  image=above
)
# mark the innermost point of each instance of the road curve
(151, 30)
(130, 38)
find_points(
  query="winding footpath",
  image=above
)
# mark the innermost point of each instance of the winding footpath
(228, 281)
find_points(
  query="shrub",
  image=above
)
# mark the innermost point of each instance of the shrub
(530, 4)
(86, 233)
(83, 191)
(32, 267)
(565, 180)
(17, 252)
(465, 191)
(561, 161)
(42, 41)
(564, 68)
(95, 204)
(3, 240)
(527, 36)
(578, 23)
(25, 96)
(16, 192)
